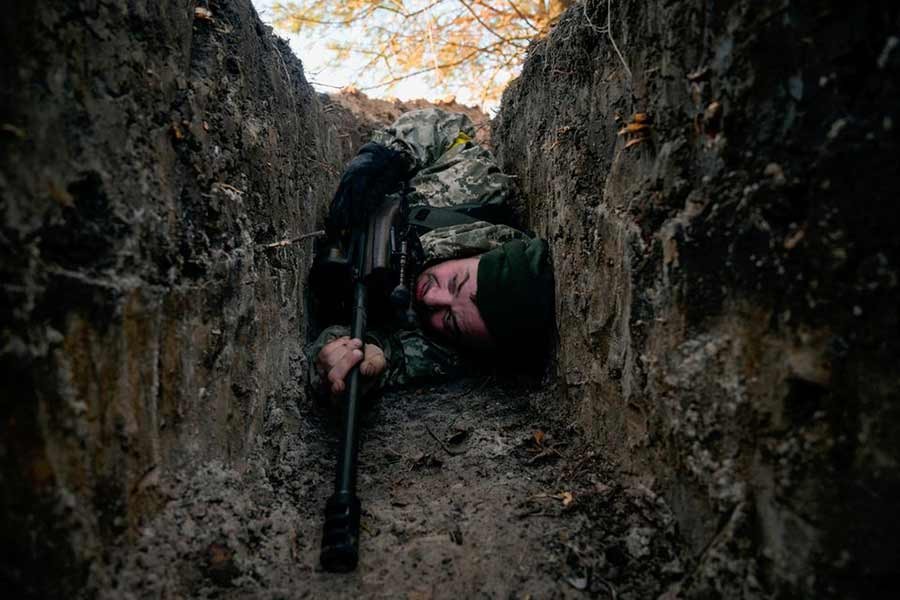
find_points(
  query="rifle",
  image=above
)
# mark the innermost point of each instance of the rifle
(373, 258)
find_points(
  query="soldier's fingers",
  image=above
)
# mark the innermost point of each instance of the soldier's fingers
(330, 359)
(329, 348)
(333, 351)
(374, 362)
(339, 371)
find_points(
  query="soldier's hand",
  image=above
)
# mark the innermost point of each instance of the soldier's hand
(339, 356)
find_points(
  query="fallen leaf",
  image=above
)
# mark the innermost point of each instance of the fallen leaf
(61, 195)
(457, 438)
(203, 14)
(699, 74)
(427, 461)
(567, 498)
(641, 118)
(539, 438)
(634, 128)
(792, 240)
(391, 454)
(543, 456)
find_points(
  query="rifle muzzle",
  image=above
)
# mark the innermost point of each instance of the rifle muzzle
(340, 536)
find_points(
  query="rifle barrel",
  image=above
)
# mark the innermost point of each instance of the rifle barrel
(340, 536)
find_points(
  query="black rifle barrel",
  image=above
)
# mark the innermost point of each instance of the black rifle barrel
(340, 536)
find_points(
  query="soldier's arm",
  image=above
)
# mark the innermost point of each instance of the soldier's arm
(467, 239)
(416, 358)
(425, 135)
(315, 378)
(410, 356)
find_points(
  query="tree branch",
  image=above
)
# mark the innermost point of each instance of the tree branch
(485, 25)
(522, 16)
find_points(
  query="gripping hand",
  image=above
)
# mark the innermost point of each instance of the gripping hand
(339, 356)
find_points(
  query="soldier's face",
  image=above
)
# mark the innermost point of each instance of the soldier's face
(445, 294)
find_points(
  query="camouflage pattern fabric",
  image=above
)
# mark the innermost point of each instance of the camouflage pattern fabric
(452, 170)
(411, 356)
(469, 239)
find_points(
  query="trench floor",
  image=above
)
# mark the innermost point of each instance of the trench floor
(469, 491)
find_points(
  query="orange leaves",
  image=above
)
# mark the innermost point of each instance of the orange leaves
(638, 130)
(476, 45)
(203, 14)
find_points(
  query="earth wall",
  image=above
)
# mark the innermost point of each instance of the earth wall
(718, 184)
(150, 151)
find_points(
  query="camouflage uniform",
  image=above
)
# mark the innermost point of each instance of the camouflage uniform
(451, 169)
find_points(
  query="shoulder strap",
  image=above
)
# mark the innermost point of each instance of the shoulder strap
(427, 218)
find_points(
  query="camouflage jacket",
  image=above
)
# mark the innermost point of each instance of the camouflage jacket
(450, 169)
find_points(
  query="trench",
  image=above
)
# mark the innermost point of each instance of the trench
(718, 191)
(467, 490)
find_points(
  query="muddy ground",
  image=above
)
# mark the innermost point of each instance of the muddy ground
(472, 490)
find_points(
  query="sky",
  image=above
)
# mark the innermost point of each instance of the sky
(313, 52)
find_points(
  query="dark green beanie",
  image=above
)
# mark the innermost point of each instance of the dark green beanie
(516, 293)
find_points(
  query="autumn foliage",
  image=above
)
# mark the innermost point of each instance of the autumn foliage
(471, 45)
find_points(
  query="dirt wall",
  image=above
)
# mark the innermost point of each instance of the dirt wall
(721, 203)
(148, 152)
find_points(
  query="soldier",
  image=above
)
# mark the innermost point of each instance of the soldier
(487, 289)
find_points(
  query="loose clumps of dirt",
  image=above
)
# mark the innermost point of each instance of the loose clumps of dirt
(466, 490)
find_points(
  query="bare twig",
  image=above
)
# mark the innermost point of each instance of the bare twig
(292, 19)
(486, 26)
(613, 41)
(444, 446)
(608, 31)
(419, 72)
(289, 241)
(522, 16)
(328, 85)
(609, 587)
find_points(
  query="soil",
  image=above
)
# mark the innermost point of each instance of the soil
(717, 183)
(472, 490)
(720, 420)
